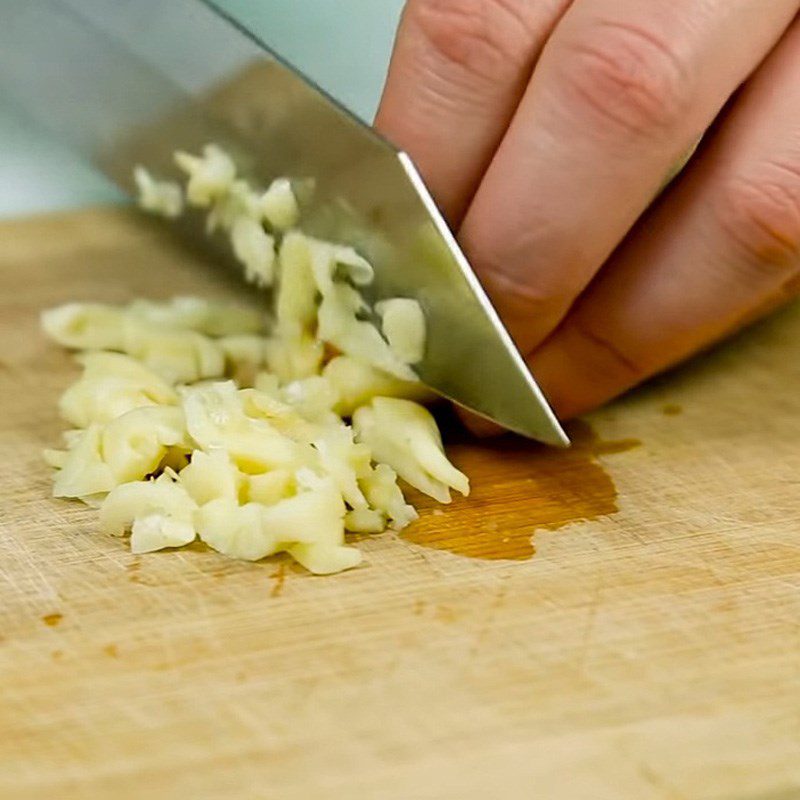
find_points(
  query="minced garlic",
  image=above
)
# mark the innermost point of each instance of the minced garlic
(210, 175)
(202, 420)
(403, 325)
(164, 198)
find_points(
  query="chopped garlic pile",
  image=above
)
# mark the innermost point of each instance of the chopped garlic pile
(195, 419)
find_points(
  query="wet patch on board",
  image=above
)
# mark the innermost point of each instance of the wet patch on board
(518, 488)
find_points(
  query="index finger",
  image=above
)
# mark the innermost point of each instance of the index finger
(458, 70)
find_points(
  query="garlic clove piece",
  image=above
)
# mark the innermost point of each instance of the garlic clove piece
(85, 326)
(325, 560)
(128, 502)
(84, 471)
(255, 250)
(216, 419)
(179, 356)
(404, 435)
(210, 175)
(197, 314)
(403, 325)
(211, 476)
(163, 198)
(270, 488)
(356, 383)
(156, 532)
(296, 300)
(235, 531)
(340, 326)
(384, 494)
(365, 520)
(278, 205)
(134, 444)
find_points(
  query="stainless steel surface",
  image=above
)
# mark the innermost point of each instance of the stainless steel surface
(131, 81)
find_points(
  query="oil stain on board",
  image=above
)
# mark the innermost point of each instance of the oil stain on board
(518, 488)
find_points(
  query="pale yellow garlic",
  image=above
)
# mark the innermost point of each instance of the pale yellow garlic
(215, 419)
(93, 500)
(356, 383)
(331, 262)
(344, 461)
(244, 357)
(159, 514)
(101, 400)
(134, 444)
(84, 472)
(268, 383)
(55, 458)
(326, 559)
(163, 198)
(384, 495)
(296, 300)
(211, 476)
(85, 326)
(278, 205)
(102, 365)
(281, 416)
(210, 175)
(237, 202)
(180, 356)
(112, 384)
(255, 250)
(267, 403)
(312, 398)
(204, 316)
(403, 325)
(72, 437)
(245, 350)
(235, 531)
(295, 358)
(404, 435)
(340, 325)
(177, 355)
(313, 517)
(174, 460)
(261, 470)
(269, 488)
(365, 520)
(319, 508)
(338, 314)
(156, 532)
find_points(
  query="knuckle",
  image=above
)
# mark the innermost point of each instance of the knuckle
(633, 81)
(487, 39)
(761, 217)
(532, 294)
(609, 361)
(538, 294)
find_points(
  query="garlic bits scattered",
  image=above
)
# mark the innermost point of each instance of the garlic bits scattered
(256, 433)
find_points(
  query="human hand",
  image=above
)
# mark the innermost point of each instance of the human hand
(545, 130)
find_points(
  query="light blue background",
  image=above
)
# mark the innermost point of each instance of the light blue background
(343, 44)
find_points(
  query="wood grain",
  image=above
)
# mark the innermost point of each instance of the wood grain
(650, 653)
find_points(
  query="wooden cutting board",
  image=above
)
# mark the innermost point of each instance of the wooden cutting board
(649, 649)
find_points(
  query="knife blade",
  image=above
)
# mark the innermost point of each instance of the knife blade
(128, 82)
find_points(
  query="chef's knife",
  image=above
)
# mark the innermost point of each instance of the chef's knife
(131, 81)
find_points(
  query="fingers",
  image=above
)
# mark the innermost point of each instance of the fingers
(721, 248)
(623, 89)
(457, 73)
